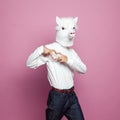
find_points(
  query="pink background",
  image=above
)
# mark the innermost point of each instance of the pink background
(27, 24)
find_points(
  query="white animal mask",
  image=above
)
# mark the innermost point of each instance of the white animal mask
(65, 31)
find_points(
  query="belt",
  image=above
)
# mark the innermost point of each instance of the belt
(63, 90)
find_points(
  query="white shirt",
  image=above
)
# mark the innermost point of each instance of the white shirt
(59, 75)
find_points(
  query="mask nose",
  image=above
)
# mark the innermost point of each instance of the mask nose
(72, 33)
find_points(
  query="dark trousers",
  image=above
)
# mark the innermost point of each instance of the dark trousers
(60, 104)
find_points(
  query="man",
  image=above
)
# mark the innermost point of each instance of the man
(61, 61)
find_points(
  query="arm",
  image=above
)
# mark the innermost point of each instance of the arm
(76, 63)
(34, 60)
(38, 57)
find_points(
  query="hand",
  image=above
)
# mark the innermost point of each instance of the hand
(55, 55)
(62, 58)
(47, 51)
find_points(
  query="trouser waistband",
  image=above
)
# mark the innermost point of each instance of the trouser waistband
(63, 90)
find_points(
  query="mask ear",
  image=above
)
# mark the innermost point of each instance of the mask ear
(58, 20)
(76, 19)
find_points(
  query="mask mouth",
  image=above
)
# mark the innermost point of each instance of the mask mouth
(66, 42)
(72, 35)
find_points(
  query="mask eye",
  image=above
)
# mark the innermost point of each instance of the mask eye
(74, 28)
(63, 28)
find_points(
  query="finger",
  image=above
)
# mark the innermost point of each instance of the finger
(52, 57)
(45, 54)
(54, 51)
(59, 59)
(59, 54)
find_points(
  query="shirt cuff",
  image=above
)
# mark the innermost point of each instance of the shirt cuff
(40, 50)
(70, 62)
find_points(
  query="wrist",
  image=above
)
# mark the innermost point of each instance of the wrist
(46, 51)
(66, 59)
